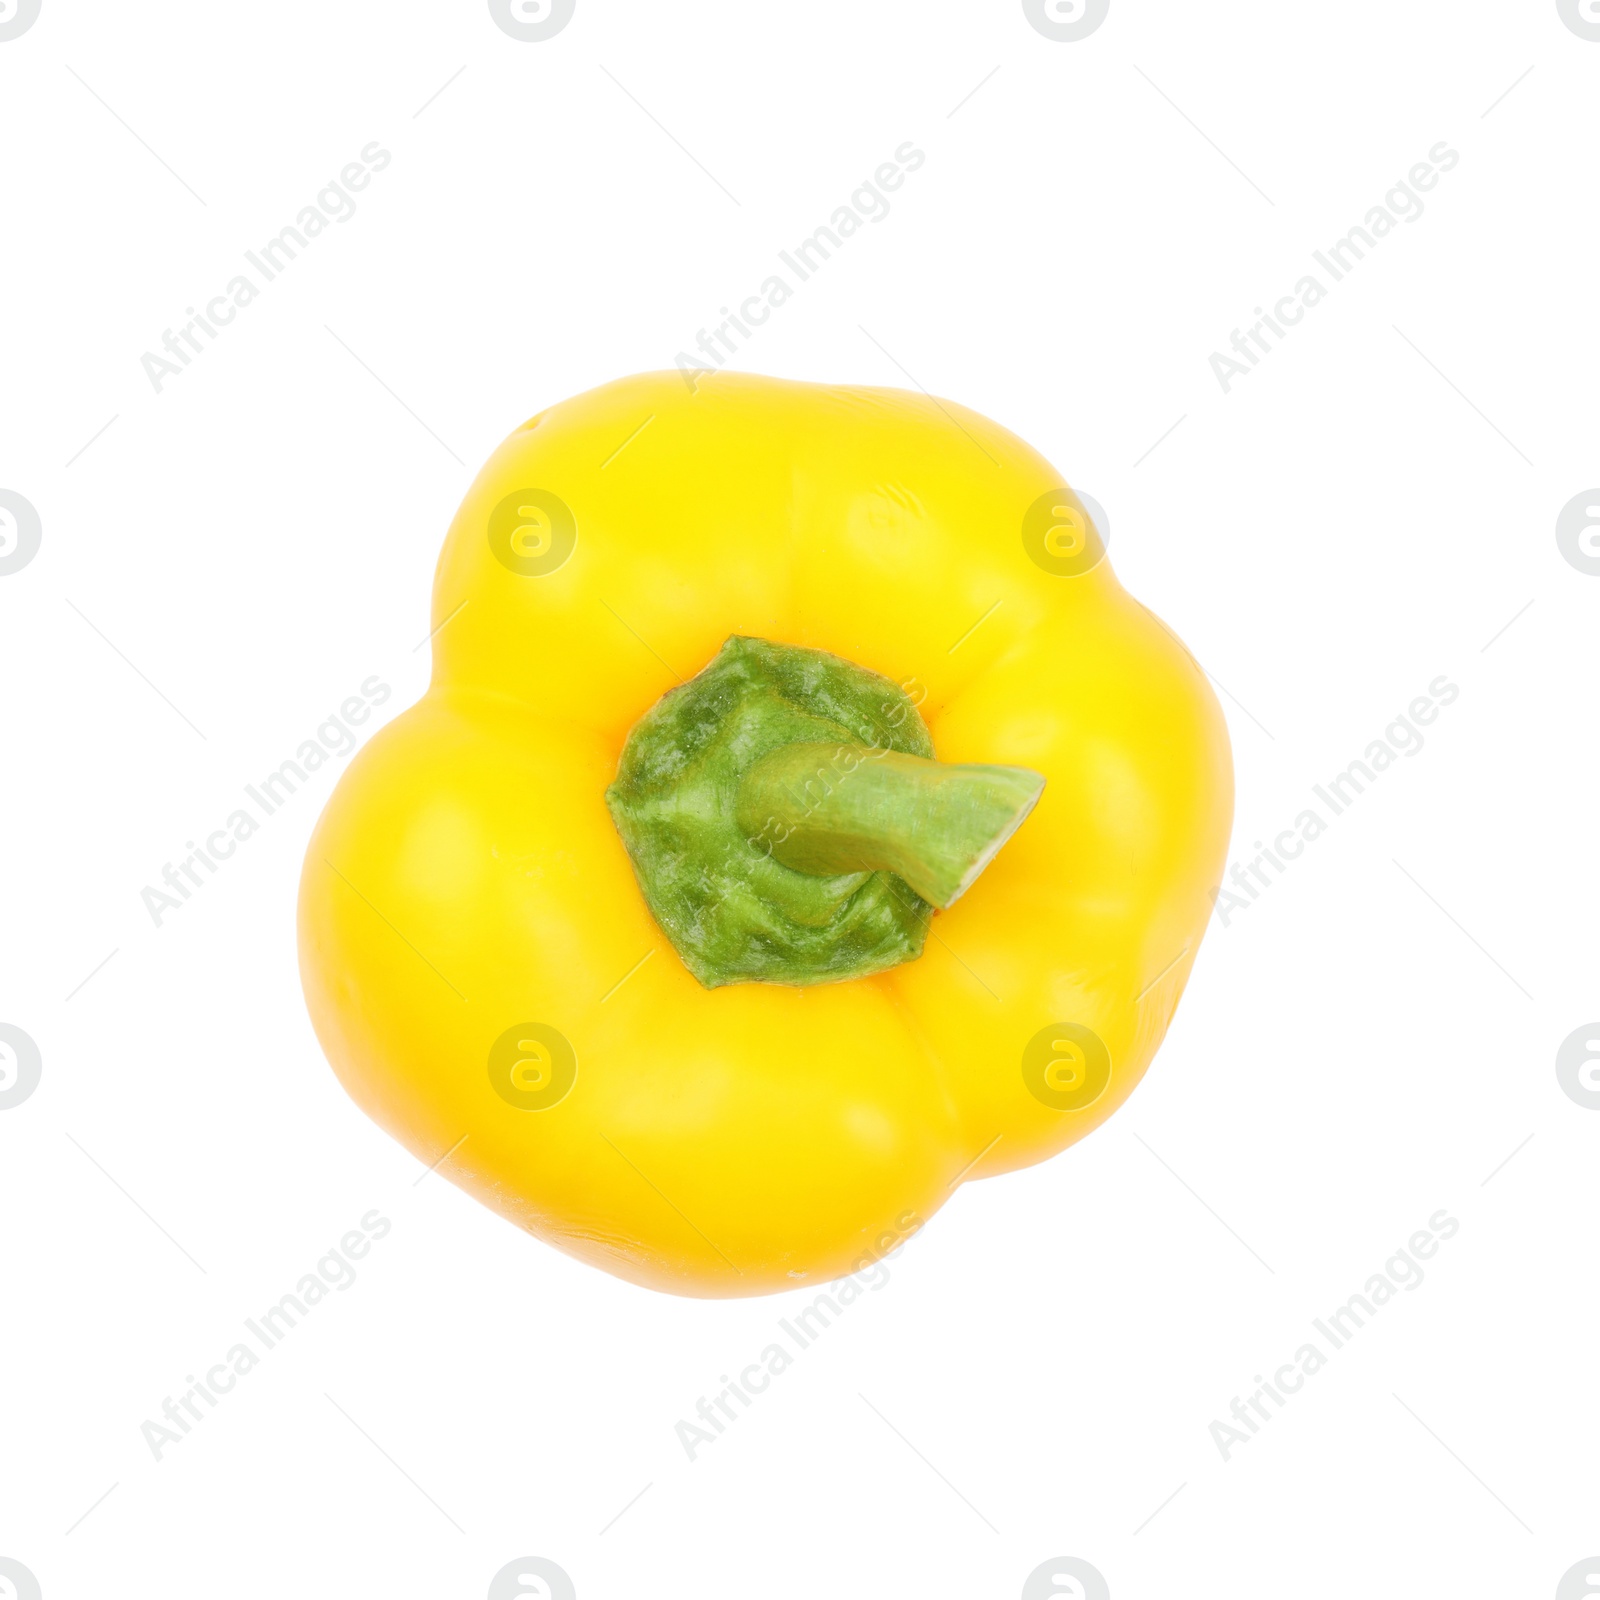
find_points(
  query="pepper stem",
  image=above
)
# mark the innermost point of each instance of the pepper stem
(826, 808)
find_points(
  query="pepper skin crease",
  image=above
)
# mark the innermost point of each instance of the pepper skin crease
(801, 821)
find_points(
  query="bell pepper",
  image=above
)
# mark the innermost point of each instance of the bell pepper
(801, 821)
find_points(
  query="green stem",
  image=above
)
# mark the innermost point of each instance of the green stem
(827, 808)
(787, 822)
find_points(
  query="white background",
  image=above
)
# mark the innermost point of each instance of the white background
(1373, 1040)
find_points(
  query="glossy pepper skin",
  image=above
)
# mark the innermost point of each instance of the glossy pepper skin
(481, 964)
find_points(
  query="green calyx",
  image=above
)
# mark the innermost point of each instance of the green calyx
(787, 822)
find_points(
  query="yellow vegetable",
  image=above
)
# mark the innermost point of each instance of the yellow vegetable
(691, 650)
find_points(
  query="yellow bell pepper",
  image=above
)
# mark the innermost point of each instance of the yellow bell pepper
(801, 821)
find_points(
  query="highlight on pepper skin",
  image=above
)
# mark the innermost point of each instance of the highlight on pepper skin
(801, 822)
